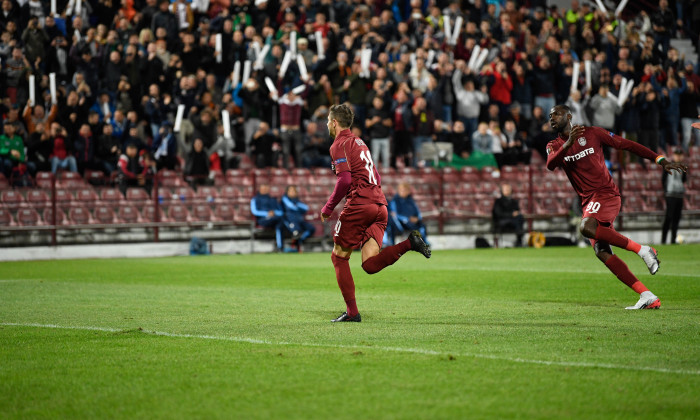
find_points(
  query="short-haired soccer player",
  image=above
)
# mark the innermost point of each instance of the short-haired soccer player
(364, 217)
(578, 150)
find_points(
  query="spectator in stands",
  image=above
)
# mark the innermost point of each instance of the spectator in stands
(165, 148)
(378, 124)
(423, 128)
(650, 117)
(688, 113)
(671, 112)
(268, 213)
(404, 215)
(663, 23)
(403, 124)
(674, 191)
(104, 107)
(62, 154)
(293, 218)
(85, 148)
(483, 141)
(540, 132)
(515, 148)
(197, 164)
(469, 100)
(265, 147)
(12, 156)
(108, 150)
(15, 69)
(291, 105)
(316, 145)
(39, 148)
(255, 102)
(36, 114)
(507, 216)
(132, 172)
(461, 142)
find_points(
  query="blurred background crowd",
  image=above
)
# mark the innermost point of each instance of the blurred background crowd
(477, 75)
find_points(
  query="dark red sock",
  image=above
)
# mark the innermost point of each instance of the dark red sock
(614, 238)
(386, 257)
(345, 282)
(620, 269)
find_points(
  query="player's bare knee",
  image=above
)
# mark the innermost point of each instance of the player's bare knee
(588, 227)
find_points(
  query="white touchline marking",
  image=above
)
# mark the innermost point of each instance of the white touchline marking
(379, 348)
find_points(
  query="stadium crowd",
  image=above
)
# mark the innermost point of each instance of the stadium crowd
(409, 69)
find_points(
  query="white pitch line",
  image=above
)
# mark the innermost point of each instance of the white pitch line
(379, 348)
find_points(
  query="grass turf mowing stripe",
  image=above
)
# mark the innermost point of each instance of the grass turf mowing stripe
(380, 348)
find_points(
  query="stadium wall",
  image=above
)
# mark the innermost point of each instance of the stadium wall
(181, 248)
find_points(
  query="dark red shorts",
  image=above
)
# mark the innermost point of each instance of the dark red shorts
(604, 208)
(358, 223)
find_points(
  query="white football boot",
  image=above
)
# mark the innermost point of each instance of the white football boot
(647, 300)
(649, 255)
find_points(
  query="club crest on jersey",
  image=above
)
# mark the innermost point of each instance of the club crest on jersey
(359, 141)
(582, 141)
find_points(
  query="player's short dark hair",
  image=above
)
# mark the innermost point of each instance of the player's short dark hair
(563, 107)
(343, 114)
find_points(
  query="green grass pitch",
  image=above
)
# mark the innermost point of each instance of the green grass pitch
(512, 333)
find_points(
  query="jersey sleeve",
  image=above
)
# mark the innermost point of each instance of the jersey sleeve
(621, 143)
(555, 155)
(340, 159)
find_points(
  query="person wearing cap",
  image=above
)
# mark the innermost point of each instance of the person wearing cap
(674, 191)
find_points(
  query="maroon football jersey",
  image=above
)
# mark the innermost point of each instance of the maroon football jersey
(350, 153)
(584, 163)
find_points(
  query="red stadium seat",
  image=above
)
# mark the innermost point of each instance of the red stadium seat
(79, 215)
(172, 182)
(48, 216)
(230, 192)
(95, 177)
(148, 213)
(28, 217)
(111, 195)
(64, 198)
(224, 212)
(104, 215)
(206, 194)
(65, 175)
(12, 198)
(87, 197)
(168, 173)
(137, 195)
(71, 183)
(178, 213)
(185, 194)
(38, 198)
(129, 214)
(44, 179)
(633, 203)
(6, 218)
(202, 213)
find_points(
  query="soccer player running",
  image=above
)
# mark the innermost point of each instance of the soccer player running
(364, 217)
(578, 150)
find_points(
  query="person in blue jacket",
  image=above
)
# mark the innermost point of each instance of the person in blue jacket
(404, 215)
(293, 218)
(267, 212)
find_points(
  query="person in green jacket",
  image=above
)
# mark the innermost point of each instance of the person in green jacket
(11, 149)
